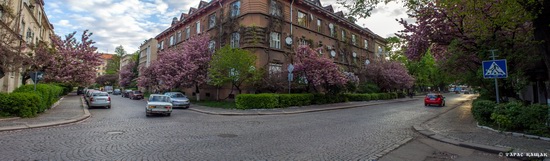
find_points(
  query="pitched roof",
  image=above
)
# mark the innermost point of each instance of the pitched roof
(106, 56)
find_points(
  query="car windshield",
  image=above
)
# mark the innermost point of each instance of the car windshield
(137, 92)
(117, 90)
(431, 96)
(178, 95)
(101, 94)
(159, 99)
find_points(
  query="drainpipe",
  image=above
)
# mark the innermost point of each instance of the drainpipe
(291, 17)
(219, 42)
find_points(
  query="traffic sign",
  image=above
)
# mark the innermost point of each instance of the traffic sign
(495, 69)
(290, 68)
(36, 76)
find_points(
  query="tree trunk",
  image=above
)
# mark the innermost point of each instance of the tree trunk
(197, 92)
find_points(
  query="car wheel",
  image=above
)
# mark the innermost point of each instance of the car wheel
(426, 105)
(186, 107)
(109, 107)
(168, 114)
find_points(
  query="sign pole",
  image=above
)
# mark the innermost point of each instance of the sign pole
(35, 80)
(496, 82)
(290, 76)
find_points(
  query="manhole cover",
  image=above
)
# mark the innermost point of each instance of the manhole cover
(227, 135)
(114, 132)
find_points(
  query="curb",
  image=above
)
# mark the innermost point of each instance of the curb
(424, 130)
(49, 124)
(515, 133)
(292, 112)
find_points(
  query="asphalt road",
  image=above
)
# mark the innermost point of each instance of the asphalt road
(125, 133)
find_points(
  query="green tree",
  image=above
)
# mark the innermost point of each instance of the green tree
(113, 65)
(233, 65)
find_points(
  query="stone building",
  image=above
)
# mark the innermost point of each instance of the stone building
(272, 29)
(23, 24)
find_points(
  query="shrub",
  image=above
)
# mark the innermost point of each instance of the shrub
(510, 110)
(482, 110)
(401, 94)
(368, 88)
(358, 97)
(4, 101)
(374, 96)
(533, 118)
(287, 100)
(23, 104)
(248, 101)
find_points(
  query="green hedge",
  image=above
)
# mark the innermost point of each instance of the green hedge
(287, 100)
(512, 116)
(269, 100)
(25, 102)
(248, 101)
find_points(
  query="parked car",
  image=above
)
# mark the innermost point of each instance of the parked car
(434, 99)
(126, 93)
(100, 99)
(88, 95)
(158, 104)
(80, 90)
(178, 99)
(116, 92)
(136, 95)
(108, 89)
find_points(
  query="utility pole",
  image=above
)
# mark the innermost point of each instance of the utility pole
(496, 82)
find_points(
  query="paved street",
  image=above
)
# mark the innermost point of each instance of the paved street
(125, 133)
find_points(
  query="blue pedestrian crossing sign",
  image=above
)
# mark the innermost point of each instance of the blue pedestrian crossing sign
(495, 69)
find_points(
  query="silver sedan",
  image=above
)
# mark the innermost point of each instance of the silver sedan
(100, 99)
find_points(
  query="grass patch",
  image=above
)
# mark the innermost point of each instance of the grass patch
(217, 104)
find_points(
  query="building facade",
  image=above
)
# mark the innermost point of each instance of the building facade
(272, 29)
(147, 52)
(102, 68)
(23, 24)
(126, 59)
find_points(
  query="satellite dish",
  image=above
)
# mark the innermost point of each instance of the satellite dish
(367, 62)
(332, 53)
(330, 25)
(288, 40)
(354, 54)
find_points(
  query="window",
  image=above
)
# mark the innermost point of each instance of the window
(320, 51)
(319, 22)
(179, 36)
(212, 20)
(275, 9)
(171, 40)
(29, 36)
(22, 30)
(198, 27)
(235, 37)
(39, 18)
(148, 56)
(235, 8)
(303, 19)
(162, 45)
(187, 32)
(212, 46)
(275, 68)
(303, 42)
(343, 35)
(275, 41)
(366, 44)
(331, 28)
(353, 40)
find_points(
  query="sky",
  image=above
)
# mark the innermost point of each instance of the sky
(130, 22)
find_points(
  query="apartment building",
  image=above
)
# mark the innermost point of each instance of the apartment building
(147, 52)
(272, 29)
(102, 68)
(126, 59)
(23, 24)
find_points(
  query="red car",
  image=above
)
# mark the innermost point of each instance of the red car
(434, 99)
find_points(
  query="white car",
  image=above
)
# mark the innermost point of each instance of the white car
(158, 104)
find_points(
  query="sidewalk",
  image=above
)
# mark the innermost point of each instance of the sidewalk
(68, 109)
(458, 127)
